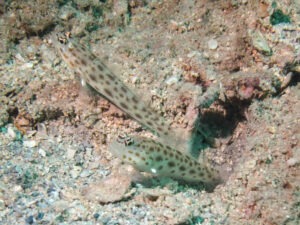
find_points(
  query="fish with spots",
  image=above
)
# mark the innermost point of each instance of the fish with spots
(143, 153)
(162, 160)
(94, 72)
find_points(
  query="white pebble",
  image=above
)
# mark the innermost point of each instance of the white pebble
(75, 171)
(212, 44)
(66, 15)
(42, 152)
(292, 161)
(28, 65)
(172, 80)
(2, 205)
(11, 133)
(29, 144)
(85, 173)
(70, 153)
(260, 43)
(17, 189)
(19, 57)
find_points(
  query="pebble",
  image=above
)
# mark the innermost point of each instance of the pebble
(271, 129)
(29, 144)
(42, 152)
(30, 220)
(27, 65)
(212, 44)
(251, 164)
(17, 189)
(75, 172)
(20, 58)
(86, 173)
(70, 153)
(260, 43)
(40, 216)
(292, 161)
(110, 189)
(172, 80)
(66, 15)
(2, 204)
(11, 133)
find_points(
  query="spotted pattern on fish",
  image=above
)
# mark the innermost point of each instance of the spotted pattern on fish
(105, 82)
(162, 160)
(143, 153)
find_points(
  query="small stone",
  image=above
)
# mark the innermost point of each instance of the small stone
(28, 65)
(20, 58)
(86, 173)
(260, 43)
(110, 189)
(251, 164)
(2, 204)
(30, 220)
(17, 189)
(272, 130)
(42, 152)
(40, 216)
(66, 15)
(11, 133)
(75, 172)
(172, 80)
(70, 153)
(96, 216)
(212, 44)
(292, 162)
(29, 144)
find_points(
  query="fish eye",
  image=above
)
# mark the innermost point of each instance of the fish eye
(62, 41)
(125, 139)
(129, 141)
(63, 38)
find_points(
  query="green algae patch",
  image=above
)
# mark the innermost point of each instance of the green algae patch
(278, 17)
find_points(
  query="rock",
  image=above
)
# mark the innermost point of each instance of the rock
(260, 43)
(42, 152)
(212, 44)
(172, 80)
(66, 14)
(110, 189)
(75, 171)
(86, 173)
(70, 153)
(30, 144)
(292, 161)
(2, 204)
(11, 132)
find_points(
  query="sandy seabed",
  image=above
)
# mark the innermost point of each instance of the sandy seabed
(222, 70)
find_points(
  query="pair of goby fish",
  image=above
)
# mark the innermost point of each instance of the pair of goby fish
(144, 154)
